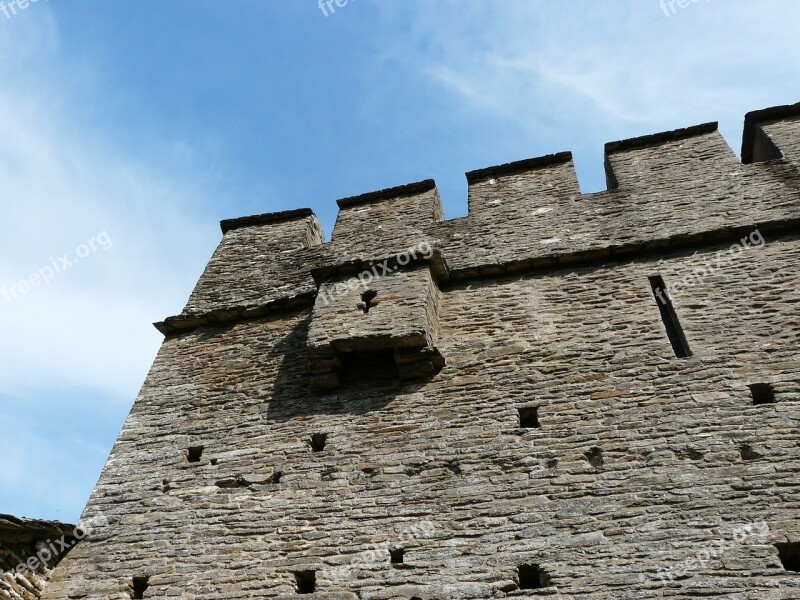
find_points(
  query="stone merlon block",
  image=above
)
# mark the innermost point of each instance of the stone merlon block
(771, 134)
(371, 222)
(257, 262)
(653, 163)
(516, 189)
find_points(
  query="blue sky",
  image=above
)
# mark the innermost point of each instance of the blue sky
(129, 129)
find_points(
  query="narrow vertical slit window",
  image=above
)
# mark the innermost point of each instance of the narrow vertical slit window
(669, 317)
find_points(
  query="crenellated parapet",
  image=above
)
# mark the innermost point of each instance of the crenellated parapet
(666, 192)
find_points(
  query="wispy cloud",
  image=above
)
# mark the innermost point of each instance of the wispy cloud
(65, 181)
(548, 66)
(75, 352)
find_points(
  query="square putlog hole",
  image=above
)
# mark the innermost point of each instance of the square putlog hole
(789, 554)
(749, 453)
(594, 456)
(396, 555)
(194, 454)
(762, 393)
(529, 417)
(318, 441)
(532, 577)
(306, 581)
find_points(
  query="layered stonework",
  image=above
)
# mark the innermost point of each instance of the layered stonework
(356, 315)
(549, 441)
(29, 551)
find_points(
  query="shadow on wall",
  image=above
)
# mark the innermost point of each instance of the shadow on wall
(370, 382)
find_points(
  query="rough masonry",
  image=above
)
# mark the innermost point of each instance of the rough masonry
(29, 551)
(561, 395)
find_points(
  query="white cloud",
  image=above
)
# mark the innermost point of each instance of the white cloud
(610, 65)
(64, 181)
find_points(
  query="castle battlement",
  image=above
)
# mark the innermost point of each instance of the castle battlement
(669, 190)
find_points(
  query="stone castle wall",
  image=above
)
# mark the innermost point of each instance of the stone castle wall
(508, 416)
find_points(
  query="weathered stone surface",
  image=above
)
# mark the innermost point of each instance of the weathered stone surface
(396, 311)
(29, 551)
(256, 266)
(643, 475)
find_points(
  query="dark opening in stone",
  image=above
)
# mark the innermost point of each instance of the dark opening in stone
(194, 453)
(594, 456)
(532, 577)
(318, 441)
(140, 585)
(529, 417)
(789, 553)
(669, 317)
(762, 393)
(689, 453)
(396, 555)
(454, 467)
(369, 367)
(306, 581)
(368, 298)
(748, 453)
